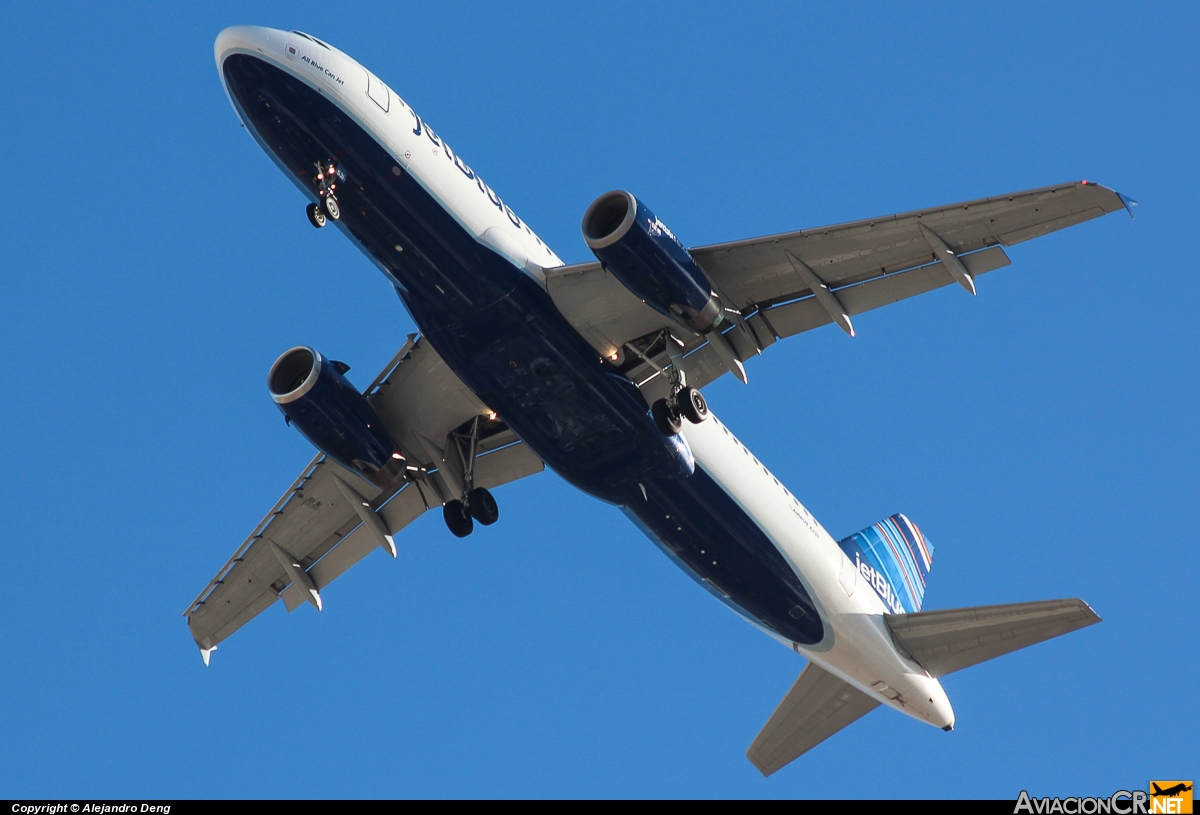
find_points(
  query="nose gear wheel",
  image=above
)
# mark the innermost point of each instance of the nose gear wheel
(328, 209)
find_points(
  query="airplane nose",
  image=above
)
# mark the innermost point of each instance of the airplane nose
(248, 38)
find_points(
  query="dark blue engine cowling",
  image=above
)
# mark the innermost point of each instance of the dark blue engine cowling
(644, 254)
(331, 413)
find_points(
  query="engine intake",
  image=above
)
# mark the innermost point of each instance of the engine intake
(315, 396)
(649, 260)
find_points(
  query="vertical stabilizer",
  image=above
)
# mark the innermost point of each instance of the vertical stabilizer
(894, 559)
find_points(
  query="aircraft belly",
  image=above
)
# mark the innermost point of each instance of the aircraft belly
(714, 539)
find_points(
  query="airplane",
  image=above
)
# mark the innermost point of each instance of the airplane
(595, 370)
(1169, 792)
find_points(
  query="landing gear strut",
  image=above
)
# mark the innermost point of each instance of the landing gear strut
(327, 209)
(683, 402)
(476, 503)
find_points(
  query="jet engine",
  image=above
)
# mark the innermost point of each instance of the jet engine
(645, 255)
(315, 396)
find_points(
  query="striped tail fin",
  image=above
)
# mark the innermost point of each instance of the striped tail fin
(894, 558)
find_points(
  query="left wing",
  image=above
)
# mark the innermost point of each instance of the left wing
(315, 532)
(781, 285)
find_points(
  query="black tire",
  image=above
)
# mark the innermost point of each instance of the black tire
(483, 507)
(666, 419)
(329, 206)
(692, 405)
(315, 216)
(457, 520)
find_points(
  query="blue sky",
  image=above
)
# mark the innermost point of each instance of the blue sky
(1043, 435)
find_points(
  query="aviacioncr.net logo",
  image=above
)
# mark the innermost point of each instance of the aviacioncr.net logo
(1121, 802)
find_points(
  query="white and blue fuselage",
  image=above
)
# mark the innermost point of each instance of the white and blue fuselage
(470, 272)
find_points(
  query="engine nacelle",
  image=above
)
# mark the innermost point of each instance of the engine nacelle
(313, 394)
(645, 255)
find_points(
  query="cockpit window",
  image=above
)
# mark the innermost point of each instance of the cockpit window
(312, 39)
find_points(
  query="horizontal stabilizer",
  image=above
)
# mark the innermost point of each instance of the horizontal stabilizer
(943, 642)
(816, 707)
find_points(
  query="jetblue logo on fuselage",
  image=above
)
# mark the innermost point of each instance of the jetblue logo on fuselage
(880, 584)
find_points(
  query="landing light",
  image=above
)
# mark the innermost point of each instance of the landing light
(398, 457)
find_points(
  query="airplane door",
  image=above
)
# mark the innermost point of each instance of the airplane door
(378, 92)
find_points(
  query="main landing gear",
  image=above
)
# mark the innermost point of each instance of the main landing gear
(683, 402)
(327, 209)
(475, 503)
(669, 413)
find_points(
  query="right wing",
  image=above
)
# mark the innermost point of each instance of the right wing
(816, 707)
(782, 285)
(942, 642)
(316, 528)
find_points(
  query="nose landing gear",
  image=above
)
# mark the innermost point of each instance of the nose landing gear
(327, 209)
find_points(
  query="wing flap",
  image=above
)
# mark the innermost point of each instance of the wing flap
(803, 315)
(397, 513)
(257, 605)
(817, 706)
(946, 641)
(309, 520)
(492, 470)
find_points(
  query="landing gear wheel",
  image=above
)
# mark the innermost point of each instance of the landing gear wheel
(692, 405)
(315, 216)
(330, 207)
(666, 419)
(483, 507)
(457, 519)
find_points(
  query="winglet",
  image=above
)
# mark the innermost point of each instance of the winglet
(1128, 202)
(206, 654)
